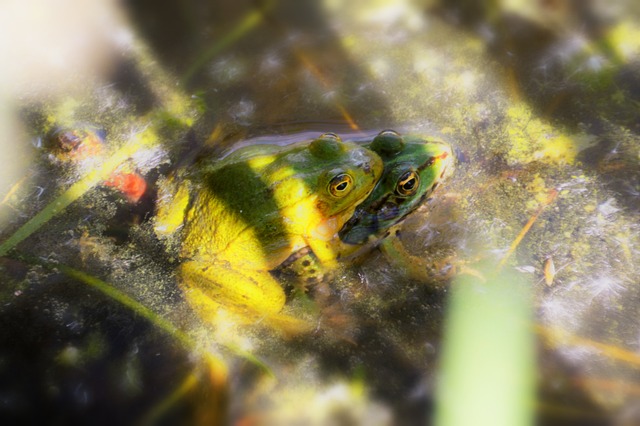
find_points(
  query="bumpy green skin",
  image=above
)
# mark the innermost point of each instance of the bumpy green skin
(414, 166)
(238, 218)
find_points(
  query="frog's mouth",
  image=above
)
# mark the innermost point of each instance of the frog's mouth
(379, 216)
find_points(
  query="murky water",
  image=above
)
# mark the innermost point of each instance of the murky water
(540, 103)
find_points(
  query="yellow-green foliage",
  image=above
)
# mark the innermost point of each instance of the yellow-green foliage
(624, 40)
(530, 139)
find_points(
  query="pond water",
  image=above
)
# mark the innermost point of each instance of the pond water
(538, 99)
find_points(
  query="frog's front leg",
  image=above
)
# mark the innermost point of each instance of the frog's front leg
(250, 296)
(303, 269)
(414, 266)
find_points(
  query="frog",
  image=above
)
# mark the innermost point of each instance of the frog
(414, 167)
(233, 220)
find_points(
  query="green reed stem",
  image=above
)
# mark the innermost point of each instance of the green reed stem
(74, 192)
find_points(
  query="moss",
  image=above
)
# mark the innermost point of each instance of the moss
(530, 138)
(623, 40)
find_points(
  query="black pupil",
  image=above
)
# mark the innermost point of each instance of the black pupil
(342, 186)
(409, 184)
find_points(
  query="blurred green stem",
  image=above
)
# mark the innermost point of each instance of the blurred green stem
(115, 294)
(488, 360)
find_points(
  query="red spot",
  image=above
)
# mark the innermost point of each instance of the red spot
(132, 185)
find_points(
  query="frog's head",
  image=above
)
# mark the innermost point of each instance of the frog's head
(414, 167)
(319, 183)
(346, 173)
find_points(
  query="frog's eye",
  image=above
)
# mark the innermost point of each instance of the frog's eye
(340, 185)
(330, 135)
(327, 147)
(408, 184)
(387, 143)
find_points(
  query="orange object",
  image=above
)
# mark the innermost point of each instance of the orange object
(132, 185)
(549, 271)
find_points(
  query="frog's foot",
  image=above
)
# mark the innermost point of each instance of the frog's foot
(439, 270)
(249, 297)
(211, 311)
(335, 319)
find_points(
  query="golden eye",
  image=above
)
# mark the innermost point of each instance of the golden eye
(408, 184)
(340, 185)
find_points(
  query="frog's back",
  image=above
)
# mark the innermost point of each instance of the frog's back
(235, 209)
(255, 154)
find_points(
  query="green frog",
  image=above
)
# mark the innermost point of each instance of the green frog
(233, 220)
(414, 166)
